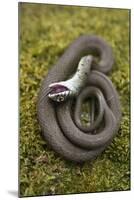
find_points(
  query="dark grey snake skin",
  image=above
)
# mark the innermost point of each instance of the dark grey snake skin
(60, 123)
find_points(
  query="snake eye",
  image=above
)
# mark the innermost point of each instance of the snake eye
(60, 98)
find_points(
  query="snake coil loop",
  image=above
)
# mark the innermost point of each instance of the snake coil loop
(60, 122)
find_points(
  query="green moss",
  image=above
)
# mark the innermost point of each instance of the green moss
(45, 32)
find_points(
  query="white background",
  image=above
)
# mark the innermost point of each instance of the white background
(9, 99)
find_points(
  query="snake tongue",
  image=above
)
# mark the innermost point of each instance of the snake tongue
(57, 89)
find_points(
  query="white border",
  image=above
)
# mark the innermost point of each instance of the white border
(99, 3)
(9, 98)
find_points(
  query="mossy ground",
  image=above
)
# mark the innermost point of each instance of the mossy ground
(45, 32)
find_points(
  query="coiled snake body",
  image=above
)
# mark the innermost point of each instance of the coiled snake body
(60, 122)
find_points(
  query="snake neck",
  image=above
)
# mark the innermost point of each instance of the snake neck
(71, 87)
(80, 77)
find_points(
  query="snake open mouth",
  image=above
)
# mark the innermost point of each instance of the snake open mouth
(58, 92)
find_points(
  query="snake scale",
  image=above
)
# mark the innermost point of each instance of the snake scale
(60, 122)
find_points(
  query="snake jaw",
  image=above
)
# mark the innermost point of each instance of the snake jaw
(58, 92)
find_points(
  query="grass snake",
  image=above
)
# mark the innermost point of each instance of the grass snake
(78, 76)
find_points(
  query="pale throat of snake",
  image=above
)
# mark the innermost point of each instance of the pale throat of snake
(60, 91)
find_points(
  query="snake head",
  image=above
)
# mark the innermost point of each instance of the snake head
(58, 92)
